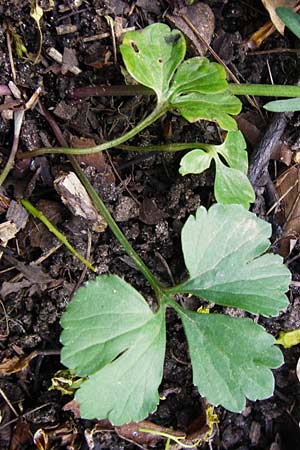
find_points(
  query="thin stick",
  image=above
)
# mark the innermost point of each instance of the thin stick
(10, 55)
(18, 119)
(8, 402)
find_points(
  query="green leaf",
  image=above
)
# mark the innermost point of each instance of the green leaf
(290, 19)
(111, 336)
(232, 186)
(222, 249)
(199, 75)
(196, 161)
(289, 105)
(213, 107)
(233, 150)
(152, 55)
(231, 358)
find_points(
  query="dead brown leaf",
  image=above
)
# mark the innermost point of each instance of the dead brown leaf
(271, 6)
(21, 436)
(202, 17)
(73, 406)
(41, 440)
(96, 160)
(288, 188)
(132, 432)
(16, 364)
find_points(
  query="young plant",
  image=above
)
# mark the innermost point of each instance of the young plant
(111, 336)
(198, 90)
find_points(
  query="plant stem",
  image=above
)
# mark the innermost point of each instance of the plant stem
(109, 91)
(177, 147)
(159, 111)
(264, 90)
(158, 289)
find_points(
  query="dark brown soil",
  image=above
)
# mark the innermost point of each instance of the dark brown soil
(150, 201)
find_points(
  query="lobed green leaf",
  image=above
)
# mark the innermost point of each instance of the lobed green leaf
(227, 268)
(152, 55)
(232, 186)
(111, 335)
(199, 75)
(234, 151)
(231, 358)
(196, 87)
(214, 107)
(195, 161)
(231, 183)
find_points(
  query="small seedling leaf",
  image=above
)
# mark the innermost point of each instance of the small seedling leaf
(222, 249)
(111, 336)
(213, 107)
(231, 358)
(196, 161)
(152, 55)
(289, 105)
(199, 75)
(232, 186)
(290, 19)
(233, 150)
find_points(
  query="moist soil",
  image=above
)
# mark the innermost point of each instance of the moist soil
(149, 200)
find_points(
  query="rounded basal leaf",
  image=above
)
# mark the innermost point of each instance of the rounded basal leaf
(213, 107)
(199, 75)
(196, 161)
(234, 152)
(222, 250)
(152, 55)
(111, 336)
(232, 186)
(231, 358)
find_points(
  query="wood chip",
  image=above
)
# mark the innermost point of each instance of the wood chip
(75, 197)
(58, 57)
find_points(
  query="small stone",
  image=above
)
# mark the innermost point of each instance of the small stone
(126, 209)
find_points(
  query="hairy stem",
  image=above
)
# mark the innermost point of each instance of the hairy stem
(156, 114)
(98, 203)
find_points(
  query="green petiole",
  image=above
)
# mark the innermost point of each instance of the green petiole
(39, 215)
(100, 206)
